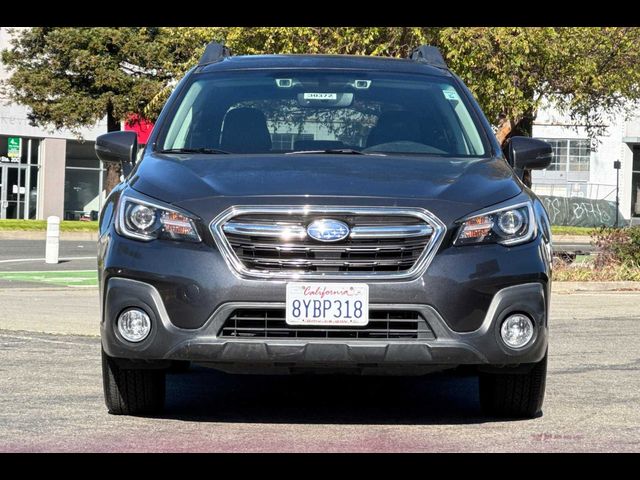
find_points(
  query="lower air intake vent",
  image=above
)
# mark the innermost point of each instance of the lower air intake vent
(270, 323)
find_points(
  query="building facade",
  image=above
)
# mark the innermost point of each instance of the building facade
(43, 172)
(582, 181)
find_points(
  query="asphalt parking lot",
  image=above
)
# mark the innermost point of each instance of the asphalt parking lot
(22, 264)
(51, 393)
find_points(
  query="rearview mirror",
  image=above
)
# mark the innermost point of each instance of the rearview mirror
(118, 147)
(528, 153)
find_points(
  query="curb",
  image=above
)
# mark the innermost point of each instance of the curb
(570, 287)
(579, 239)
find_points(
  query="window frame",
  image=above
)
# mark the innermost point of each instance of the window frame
(567, 155)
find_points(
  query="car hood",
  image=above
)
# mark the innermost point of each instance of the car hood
(189, 181)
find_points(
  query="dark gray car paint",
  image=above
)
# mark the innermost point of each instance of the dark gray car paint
(459, 283)
(193, 281)
(472, 184)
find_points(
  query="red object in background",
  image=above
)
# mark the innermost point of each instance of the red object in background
(140, 125)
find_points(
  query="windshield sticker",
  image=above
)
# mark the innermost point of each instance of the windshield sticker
(451, 94)
(320, 96)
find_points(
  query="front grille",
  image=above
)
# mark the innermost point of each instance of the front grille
(379, 243)
(270, 323)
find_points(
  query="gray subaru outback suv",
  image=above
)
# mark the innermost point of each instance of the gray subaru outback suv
(312, 213)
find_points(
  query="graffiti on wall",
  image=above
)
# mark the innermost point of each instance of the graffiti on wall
(580, 212)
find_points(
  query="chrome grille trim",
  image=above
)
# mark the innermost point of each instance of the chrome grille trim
(296, 231)
(392, 231)
(290, 246)
(265, 230)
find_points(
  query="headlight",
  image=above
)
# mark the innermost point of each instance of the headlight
(143, 220)
(508, 226)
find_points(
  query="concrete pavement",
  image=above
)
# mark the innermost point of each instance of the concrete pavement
(61, 311)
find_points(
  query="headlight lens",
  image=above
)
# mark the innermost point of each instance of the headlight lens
(507, 226)
(142, 217)
(143, 220)
(511, 221)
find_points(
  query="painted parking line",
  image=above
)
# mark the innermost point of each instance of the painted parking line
(15, 260)
(69, 278)
(45, 340)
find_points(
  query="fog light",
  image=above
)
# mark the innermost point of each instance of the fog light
(517, 330)
(134, 325)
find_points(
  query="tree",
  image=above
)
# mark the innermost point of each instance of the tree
(587, 72)
(74, 77)
(190, 42)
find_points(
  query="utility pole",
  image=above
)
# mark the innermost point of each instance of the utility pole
(617, 166)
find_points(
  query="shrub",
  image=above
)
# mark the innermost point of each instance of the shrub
(587, 273)
(616, 246)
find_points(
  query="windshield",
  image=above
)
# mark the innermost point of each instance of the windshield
(281, 111)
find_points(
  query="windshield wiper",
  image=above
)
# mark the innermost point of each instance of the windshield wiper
(208, 151)
(330, 151)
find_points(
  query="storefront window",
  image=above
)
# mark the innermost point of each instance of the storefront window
(83, 193)
(33, 192)
(18, 177)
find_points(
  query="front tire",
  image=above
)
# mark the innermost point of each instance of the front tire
(132, 391)
(514, 395)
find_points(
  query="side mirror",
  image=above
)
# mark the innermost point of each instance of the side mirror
(118, 147)
(528, 153)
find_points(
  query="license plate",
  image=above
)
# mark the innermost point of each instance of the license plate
(345, 304)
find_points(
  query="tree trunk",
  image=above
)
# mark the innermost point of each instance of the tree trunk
(113, 169)
(507, 129)
(525, 128)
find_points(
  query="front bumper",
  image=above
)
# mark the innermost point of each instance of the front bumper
(449, 348)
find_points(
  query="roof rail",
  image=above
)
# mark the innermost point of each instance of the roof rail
(428, 54)
(214, 52)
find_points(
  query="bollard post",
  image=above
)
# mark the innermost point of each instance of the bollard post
(53, 240)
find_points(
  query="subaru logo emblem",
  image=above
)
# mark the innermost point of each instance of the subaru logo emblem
(327, 230)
